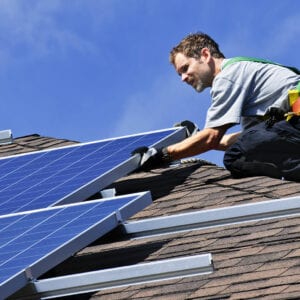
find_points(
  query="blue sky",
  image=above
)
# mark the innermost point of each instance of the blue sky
(92, 69)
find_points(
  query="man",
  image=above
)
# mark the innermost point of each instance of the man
(243, 92)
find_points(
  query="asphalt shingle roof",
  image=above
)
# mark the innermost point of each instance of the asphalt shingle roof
(252, 260)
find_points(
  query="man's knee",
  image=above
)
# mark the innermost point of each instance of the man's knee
(244, 160)
(272, 152)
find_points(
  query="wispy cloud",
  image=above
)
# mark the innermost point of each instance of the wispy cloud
(35, 27)
(284, 37)
(164, 103)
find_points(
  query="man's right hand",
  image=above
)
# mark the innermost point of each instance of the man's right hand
(151, 158)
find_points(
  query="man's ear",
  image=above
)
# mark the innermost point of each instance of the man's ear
(205, 55)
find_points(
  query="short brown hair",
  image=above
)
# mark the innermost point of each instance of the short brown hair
(192, 45)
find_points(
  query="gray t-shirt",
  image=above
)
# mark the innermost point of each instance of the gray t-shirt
(245, 90)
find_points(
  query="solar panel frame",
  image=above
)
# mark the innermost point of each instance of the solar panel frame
(112, 212)
(24, 167)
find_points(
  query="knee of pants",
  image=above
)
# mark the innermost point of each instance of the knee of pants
(232, 154)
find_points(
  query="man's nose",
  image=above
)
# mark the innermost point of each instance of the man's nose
(184, 77)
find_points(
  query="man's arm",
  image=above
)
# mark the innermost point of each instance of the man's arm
(202, 141)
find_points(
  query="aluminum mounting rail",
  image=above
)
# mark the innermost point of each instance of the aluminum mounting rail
(88, 282)
(213, 217)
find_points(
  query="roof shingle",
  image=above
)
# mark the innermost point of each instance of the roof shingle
(252, 260)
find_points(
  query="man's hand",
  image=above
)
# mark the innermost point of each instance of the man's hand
(151, 158)
(191, 128)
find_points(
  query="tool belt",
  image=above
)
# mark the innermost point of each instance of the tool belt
(272, 116)
(275, 114)
(294, 100)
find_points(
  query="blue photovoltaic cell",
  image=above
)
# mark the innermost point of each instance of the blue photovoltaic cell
(36, 241)
(64, 175)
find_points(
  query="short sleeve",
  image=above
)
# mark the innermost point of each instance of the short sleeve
(227, 103)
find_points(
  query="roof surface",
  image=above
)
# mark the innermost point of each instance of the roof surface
(251, 260)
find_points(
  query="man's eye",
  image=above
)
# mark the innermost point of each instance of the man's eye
(184, 69)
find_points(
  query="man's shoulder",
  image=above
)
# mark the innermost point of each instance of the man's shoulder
(261, 61)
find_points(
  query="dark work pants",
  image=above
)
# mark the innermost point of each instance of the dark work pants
(271, 151)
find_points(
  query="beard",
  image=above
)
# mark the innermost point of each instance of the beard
(199, 86)
(202, 82)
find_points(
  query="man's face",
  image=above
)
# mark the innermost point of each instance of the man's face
(193, 71)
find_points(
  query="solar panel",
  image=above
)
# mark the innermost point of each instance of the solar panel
(33, 242)
(73, 173)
